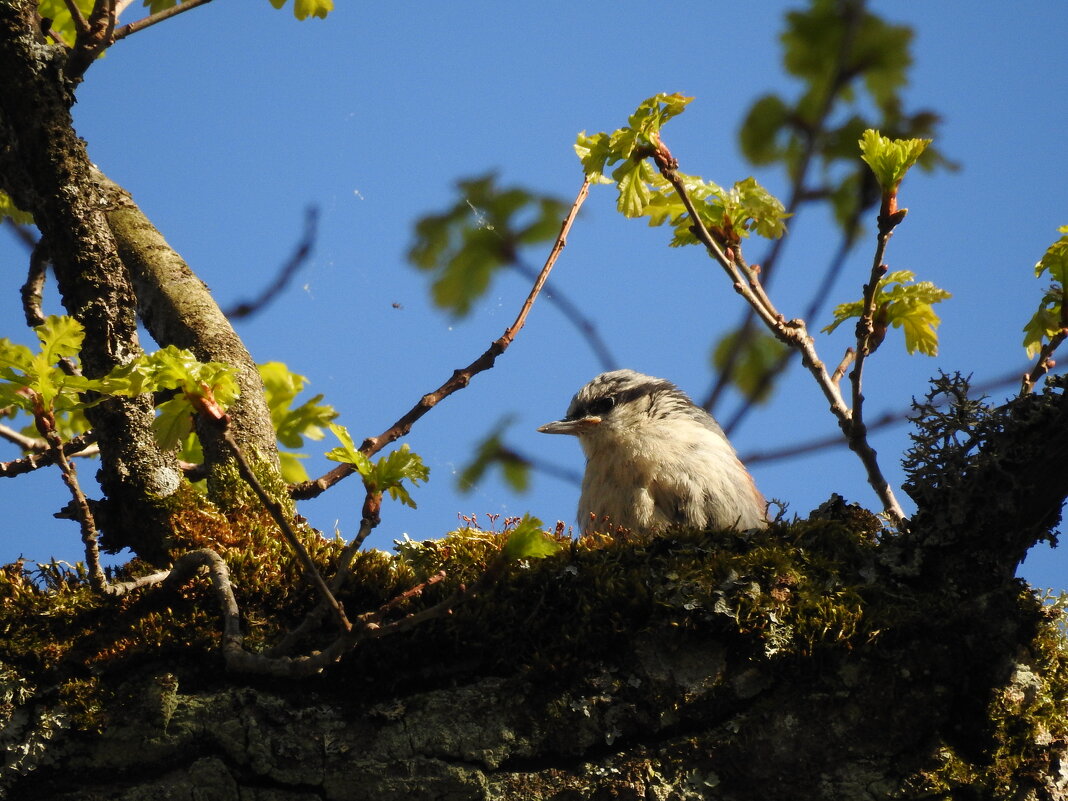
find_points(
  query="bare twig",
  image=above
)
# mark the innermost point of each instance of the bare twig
(574, 315)
(46, 424)
(843, 365)
(300, 256)
(40, 455)
(799, 194)
(95, 35)
(344, 567)
(160, 16)
(124, 587)
(278, 513)
(819, 299)
(80, 24)
(1044, 363)
(793, 333)
(460, 378)
(368, 626)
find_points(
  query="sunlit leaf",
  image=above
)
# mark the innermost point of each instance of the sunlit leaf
(528, 541)
(888, 158)
(302, 9)
(1047, 322)
(903, 304)
(292, 424)
(9, 210)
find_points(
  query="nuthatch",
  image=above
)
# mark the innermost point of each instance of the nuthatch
(654, 460)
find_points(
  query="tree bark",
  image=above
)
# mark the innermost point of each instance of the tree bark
(45, 169)
(178, 309)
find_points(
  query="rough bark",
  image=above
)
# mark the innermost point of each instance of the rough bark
(178, 309)
(45, 169)
(679, 716)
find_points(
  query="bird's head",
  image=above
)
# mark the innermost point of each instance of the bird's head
(620, 402)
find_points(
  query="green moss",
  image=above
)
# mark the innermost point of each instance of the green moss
(805, 593)
(1028, 719)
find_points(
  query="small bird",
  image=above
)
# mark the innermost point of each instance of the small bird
(654, 460)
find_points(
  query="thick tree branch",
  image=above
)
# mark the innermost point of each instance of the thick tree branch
(45, 169)
(178, 309)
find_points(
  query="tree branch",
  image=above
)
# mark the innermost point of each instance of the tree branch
(285, 275)
(460, 378)
(159, 16)
(792, 333)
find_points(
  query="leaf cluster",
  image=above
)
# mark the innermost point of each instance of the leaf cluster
(890, 159)
(293, 423)
(848, 61)
(481, 232)
(903, 304)
(1049, 320)
(642, 191)
(385, 475)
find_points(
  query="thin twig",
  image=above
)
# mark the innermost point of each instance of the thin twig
(813, 135)
(793, 333)
(160, 16)
(300, 256)
(819, 299)
(459, 379)
(40, 456)
(344, 568)
(574, 315)
(278, 512)
(843, 365)
(46, 424)
(93, 39)
(80, 24)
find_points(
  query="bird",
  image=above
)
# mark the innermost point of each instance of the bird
(655, 461)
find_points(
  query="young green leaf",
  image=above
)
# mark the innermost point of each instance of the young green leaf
(890, 159)
(1048, 321)
(903, 304)
(302, 9)
(529, 541)
(385, 475)
(292, 424)
(390, 471)
(8, 209)
(347, 452)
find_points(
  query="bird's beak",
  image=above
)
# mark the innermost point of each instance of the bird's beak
(574, 427)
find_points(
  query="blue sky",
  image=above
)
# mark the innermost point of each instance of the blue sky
(227, 122)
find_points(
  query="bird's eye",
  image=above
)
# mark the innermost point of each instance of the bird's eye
(601, 406)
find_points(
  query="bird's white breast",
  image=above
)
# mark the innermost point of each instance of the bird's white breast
(666, 473)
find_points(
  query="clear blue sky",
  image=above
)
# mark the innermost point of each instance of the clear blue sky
(226, 122)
